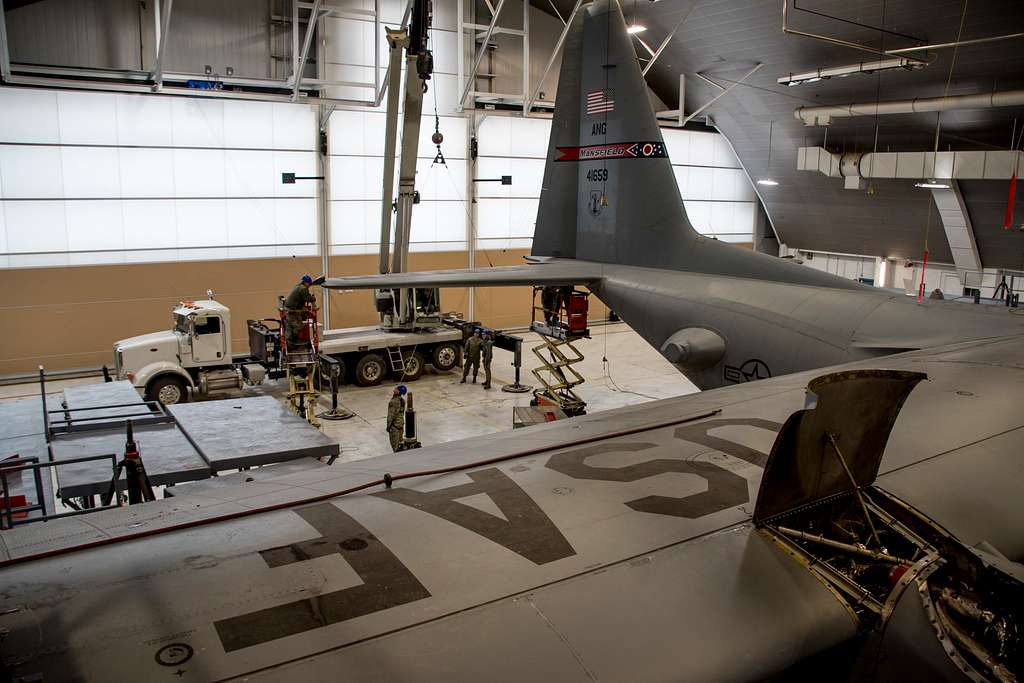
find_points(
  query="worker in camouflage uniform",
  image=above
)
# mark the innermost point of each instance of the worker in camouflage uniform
(295, 305)
(471, 356)
(486, 356)
(395, 425)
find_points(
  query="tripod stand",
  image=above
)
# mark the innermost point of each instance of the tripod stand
(139, 488)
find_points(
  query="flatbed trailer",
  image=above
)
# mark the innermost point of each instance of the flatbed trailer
(368, 354)
(195, 357)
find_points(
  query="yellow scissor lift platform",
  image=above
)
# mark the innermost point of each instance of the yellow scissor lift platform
(564, 321)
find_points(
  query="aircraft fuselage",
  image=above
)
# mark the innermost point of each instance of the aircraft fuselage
(774, 328)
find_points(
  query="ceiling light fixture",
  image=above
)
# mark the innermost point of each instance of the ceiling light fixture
(769, 182)
(932, 184)
(843, 71)
(636, 28)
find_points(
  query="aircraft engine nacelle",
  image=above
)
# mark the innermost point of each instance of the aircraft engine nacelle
(694, 348)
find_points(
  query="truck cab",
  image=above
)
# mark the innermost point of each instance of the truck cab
(194, 355)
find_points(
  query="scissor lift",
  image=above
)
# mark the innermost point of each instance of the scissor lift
(302, 366)
(564, 312)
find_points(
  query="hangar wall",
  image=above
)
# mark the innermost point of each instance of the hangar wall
(113, 206)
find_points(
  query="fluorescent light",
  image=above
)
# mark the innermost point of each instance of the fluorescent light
(636, 28)
(932, 184)
(768, 181)
(841, 71)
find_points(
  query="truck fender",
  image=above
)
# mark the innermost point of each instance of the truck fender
(148, 372)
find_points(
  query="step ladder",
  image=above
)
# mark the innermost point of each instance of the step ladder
(396, 360)
(302, 370)
(557, 376)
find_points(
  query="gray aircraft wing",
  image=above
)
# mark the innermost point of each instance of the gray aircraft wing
(556, 272)
(614, 546)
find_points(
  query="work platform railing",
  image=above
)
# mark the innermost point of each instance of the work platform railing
(564, 312)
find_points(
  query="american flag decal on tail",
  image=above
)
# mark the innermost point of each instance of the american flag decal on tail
(600, 102)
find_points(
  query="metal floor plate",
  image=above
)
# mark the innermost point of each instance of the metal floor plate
(245, 432)
(168, 456)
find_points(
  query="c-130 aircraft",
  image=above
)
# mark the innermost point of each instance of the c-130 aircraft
(611, 218)
(861, 522)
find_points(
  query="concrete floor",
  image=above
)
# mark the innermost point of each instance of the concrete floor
(447, 410)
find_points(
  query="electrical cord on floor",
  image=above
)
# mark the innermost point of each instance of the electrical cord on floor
(616, 387)
(606, 364)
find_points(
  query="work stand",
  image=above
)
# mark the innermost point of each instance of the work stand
(301, 365)
(564, 321)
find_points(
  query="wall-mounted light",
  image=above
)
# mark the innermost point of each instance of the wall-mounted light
(932, 184)
(636, 28)
(768, 181)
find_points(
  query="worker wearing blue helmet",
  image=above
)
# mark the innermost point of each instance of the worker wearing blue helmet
(395, 424)
(295, 304)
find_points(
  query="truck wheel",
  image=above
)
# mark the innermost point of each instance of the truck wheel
(445, 357)
(370, 370)
(414, 366)
(168, 390)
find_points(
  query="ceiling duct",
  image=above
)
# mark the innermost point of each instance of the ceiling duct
(964, 165)
(823, 115)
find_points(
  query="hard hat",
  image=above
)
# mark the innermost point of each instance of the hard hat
(402, 389)
(307, 280)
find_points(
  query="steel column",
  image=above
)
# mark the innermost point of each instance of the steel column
(471, 208)
(682, 98)
(5, 54)
(163, 26)
(526, 53)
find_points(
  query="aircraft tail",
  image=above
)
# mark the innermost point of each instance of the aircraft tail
(609, 193)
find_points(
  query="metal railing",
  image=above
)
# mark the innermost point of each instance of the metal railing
(7, 519)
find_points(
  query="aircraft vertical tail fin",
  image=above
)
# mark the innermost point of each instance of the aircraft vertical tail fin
(609, 193)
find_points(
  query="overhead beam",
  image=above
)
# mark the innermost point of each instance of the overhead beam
(307, 41)
(471, 81)
(554, 55)
(557, 13)
(162, 10)
(668, 39)
(723, 93)
(710, 82)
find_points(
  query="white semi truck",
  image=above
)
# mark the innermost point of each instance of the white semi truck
(195, 356)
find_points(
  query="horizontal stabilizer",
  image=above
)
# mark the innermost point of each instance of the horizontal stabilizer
(551, 273)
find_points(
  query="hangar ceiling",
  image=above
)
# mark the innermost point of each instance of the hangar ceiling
(723, 39)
